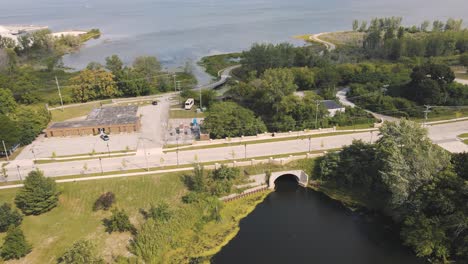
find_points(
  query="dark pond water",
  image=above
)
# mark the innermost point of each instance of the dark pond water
(298, 225)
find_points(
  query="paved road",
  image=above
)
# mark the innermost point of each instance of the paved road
(462, 81)
(316, 37)
(444, 135)
(341, 95)
(225, 75)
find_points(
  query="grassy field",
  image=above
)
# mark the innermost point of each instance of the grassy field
(351, 38)
(185, 114)
(213, 64)
(53, 232)
(72, 112)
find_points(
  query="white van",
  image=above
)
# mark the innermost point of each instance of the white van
(189, 103)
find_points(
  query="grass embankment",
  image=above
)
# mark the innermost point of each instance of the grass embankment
(350, 38)
(173, 114)
(72, 112)
(53, 232)
(232, 144)
(213, 64)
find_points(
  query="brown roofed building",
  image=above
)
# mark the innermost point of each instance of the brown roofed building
(117, 119)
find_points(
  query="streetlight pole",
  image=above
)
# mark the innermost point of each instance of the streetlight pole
(245, 150)
(34, 154)
(309, 144)
(60, 93)
(177, 150)
(6, 152)
(108, 149)
(100, 162)
(317, 103)
(19, 173)
(201, 107)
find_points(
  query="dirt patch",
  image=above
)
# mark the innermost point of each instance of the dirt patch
(115, 245)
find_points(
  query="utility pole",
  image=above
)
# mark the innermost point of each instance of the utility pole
(100, 162)
(6, 152)
(317, 103)
(309, 144)
(426, 111)
(19, 173)
(245, 150)
(60, 93)
(146, 157)
(108, 149)
(175, 86)
(201, 107)
(34, 154)
(177, 150)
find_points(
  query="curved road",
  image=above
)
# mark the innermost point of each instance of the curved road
(225, 75)
(330, 46)
(341, 95)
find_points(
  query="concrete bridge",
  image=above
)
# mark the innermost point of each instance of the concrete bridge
(301, 177)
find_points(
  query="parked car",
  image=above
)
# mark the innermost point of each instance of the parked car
(104, 137)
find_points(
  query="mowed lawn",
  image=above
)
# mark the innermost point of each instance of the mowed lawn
(53, 232)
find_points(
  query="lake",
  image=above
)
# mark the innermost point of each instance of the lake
(185, 30)
(298, 225)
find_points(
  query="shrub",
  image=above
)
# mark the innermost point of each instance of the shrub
(104, 202)
(160, 212)
(15, 245)
(9, 217)
(39, 194)
(118, 222)
(81, 252)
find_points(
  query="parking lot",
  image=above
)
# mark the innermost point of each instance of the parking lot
(150, 137)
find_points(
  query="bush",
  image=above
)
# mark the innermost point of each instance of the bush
(15, 245)
(104, 202)
(118, 222)
(81, 252)
(39, 194)
(9, 217)
(161, 212)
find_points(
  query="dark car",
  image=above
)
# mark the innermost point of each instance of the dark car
(154, 103)
(104, 137)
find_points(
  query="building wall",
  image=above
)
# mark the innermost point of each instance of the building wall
(83, 131)
(333, 112)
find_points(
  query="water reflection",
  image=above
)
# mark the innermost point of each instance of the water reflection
(298, 225)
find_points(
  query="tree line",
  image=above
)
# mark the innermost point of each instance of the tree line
(403, 175)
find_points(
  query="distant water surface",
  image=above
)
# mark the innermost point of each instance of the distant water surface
(184, 30)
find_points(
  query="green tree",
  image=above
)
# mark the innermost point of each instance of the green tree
(104, 202)
(228, 119)
(7, 102)
(464, 60)
(9, 217)
(149, 68)
(10, 132)
(15, 245)
(426, 236)
(93, 84)
(277, 83)
(114, 64)
(39, 194)
(425, 26)
(118, 222)
(81, 252)
(410, 160)
(355, 25)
